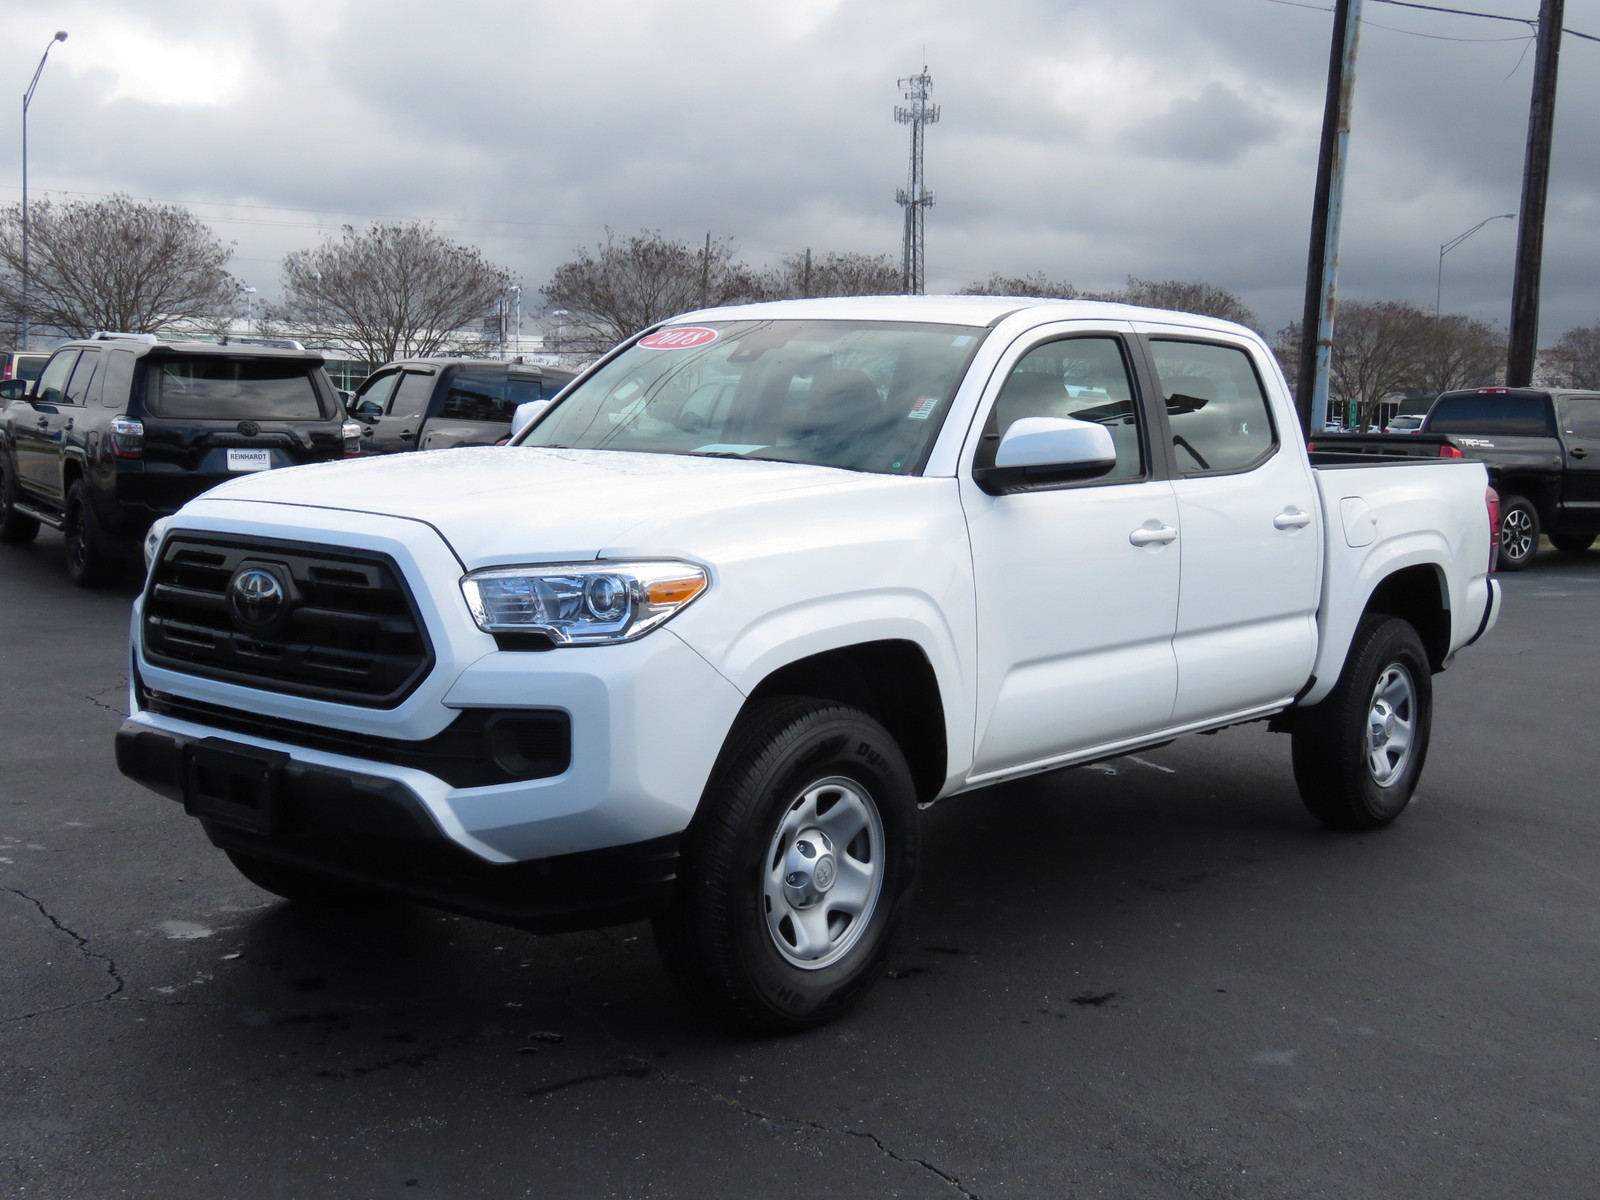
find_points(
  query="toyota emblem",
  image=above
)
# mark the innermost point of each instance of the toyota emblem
(257, 596)
(248, 429)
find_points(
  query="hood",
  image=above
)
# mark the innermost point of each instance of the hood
(504, 504)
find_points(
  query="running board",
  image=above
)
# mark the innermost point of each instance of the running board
(44, 517)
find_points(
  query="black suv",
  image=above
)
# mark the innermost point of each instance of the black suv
(120, 429)
(435, 403)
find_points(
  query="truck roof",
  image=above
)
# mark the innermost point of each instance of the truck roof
(951, 310)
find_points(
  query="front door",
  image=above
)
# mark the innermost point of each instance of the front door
(1076, 584)
(1580, 480)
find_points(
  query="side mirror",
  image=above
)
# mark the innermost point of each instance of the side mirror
(527, 413)
(13, 389)
(1046, 450)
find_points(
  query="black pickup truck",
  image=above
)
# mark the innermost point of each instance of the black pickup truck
(120, 429)
(1542, 449)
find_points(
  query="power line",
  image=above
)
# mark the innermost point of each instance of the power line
(1531, 22)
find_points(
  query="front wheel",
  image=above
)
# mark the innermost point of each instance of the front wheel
(1519, 533)
(797, 869)
(16, 527)
(1358, 754)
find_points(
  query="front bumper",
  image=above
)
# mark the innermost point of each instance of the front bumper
(377, 833)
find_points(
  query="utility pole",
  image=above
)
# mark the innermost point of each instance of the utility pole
(1524, 340)
(1327, 210)
(915, 198)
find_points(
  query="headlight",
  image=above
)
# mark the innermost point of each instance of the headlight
(152, 541)
(593, 604)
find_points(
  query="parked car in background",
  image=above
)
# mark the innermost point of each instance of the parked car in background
(120, 429)
(22, 364)
(436, 403)
(1406, 423)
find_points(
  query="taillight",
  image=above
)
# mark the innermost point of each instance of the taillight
(351, 432)
(1492, 499)
(127, 437)
(1449, 451)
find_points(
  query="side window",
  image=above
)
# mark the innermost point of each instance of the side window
(1085, 378)
(52, 385)
(410, 399)
(78, 388)
(1582, 416)
(1216, 406)
(373, 395)
(116, 383)
(472, 399)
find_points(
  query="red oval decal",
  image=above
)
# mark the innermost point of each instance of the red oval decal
(685, 338)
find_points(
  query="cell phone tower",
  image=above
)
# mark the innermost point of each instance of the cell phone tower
(915, 198)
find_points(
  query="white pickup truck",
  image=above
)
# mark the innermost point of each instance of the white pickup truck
(763, 583)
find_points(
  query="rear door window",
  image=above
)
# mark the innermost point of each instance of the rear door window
(1216, 406)
(1505, 415)
(1582, 416)
(232, 389)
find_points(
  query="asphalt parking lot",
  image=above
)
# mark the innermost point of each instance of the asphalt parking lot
(1156, 978)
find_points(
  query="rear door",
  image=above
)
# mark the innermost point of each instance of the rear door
(1580, 485)
(1249, 523)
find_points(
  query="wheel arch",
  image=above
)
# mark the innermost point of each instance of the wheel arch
(1416, 595)
(891, 681)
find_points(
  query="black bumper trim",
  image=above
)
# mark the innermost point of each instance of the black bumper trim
(376, 833)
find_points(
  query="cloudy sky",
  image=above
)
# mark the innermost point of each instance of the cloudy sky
(1089, 140)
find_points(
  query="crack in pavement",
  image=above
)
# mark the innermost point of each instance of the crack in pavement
(83, 948)
(635, 1068)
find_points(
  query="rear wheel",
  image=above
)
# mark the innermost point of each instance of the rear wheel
(89, 560)
(16, 527)
(1572, 543)
(796, 872)
(1519, 533)
(1359, 753)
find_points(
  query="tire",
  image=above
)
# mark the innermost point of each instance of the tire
(89, 561)
(302, 887)
(1358, 754)
(797, 870)
(16, 528)
(1567, 543)
(1519, 534)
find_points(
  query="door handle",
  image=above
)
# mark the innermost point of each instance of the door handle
(408, 436)
(1579, 452)
(1293, 518)
(1161, 535)
(42, 422)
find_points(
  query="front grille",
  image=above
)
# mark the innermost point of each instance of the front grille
(347, 630)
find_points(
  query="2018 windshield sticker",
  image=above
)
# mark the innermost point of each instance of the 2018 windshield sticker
(685, 338)
(923, 409)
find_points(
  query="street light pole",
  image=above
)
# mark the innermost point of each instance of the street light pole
(1438, 287)
(27, 99)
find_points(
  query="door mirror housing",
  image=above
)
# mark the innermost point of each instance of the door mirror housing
(526, 414)
(1038, 451)
(13, 389)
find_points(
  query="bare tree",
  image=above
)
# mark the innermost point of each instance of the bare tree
(391, 291)
(832, 274)
(113, 264)
(1180, 296)
(626, 284)
(1574, 361)
(1457, 352)
(1022, 285)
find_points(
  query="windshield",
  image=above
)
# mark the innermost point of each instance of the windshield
(233, 389)
(866, 395)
